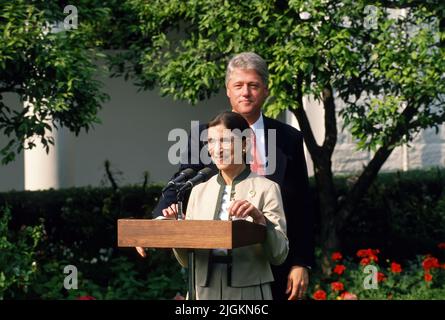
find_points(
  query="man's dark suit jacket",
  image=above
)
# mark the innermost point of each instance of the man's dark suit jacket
(291, 175)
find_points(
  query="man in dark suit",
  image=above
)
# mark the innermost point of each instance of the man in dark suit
(246, 85)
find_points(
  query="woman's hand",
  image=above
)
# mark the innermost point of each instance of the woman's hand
(171, 212)
(241, 209)
(141, 252)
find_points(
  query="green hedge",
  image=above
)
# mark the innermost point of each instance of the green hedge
(80, 214)
(80, 230)
(403, 215)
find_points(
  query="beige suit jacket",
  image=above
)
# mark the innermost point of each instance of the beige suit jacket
(251, 264)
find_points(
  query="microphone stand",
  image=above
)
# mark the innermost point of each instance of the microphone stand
(180, 200)
(191, 252)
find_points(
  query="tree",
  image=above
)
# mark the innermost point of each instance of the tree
(53, 71)
(387, 71)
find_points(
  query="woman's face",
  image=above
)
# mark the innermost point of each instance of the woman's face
(225, 148)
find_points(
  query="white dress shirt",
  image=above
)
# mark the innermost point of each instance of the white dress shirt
(260, 135)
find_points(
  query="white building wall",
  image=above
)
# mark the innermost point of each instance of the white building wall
(12, 176)
(426, 150)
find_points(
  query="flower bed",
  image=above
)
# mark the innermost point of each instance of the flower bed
(367, 276)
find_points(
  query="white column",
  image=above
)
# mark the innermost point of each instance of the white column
(405, 157)
(41, 168)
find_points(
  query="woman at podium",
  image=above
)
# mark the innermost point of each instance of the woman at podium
(236, 192)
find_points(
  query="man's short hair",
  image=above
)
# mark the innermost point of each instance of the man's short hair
(248, 60)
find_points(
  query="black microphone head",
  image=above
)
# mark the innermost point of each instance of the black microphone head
(202, 176)
(188, 173)
(207, 172)
(182, 176)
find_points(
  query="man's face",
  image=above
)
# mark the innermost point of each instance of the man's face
(247, 92)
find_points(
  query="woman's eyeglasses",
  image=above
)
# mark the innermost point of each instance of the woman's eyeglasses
(225, 143)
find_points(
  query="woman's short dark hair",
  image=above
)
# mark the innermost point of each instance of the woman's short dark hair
(235, 122)
(230, 120)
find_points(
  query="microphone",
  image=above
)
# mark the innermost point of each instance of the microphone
(182, 176)
(202, 176)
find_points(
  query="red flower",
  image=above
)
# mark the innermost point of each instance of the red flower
(336, 256)
(396, 268)
(365, 261)
(429, 263)
(362, 253)
(348, 296)
(178, 296)
(381, 277)
(368, 255)
(428, 277)
(337, 286)
(339, 269)
(86, 298)
(441, 245)
(319, 295)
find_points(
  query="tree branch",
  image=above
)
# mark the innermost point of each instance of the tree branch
(303, 121)
(370, 172)
(330, 120)
(110, 176)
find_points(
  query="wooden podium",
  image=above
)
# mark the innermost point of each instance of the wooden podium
(188, 234)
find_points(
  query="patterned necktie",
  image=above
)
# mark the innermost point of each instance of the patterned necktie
(256, 166)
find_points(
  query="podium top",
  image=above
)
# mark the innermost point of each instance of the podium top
(189, 234)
